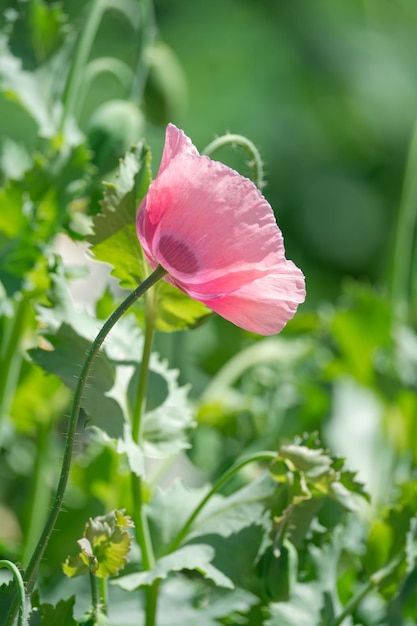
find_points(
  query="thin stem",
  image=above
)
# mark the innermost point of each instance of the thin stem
(20, 589)
(144, 369)
(405, 235)
(142, 532)
(253, 458)
(143, 535)
(147, 36)
(103, 594)
(94, 595)
(239, 140)
(82, 52)
(152, 603)
(10, 361)
(374, 581)
(32, 568)
(39, 492)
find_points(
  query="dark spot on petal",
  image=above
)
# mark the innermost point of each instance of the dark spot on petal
(178, 255)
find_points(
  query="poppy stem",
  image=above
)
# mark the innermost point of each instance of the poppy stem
(233, 140)
(31, 571)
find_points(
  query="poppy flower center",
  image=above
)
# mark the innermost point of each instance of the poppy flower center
(178, 255)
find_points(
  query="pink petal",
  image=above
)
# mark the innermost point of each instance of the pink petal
(176, 142)
(201, 209)
(217, 237)
(265, 305)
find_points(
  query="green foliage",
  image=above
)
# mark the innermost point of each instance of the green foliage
(110, 395)
(326, 535)
(44, 614)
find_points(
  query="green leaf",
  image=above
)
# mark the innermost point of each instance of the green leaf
(227, 515)
(47, 27)
(112, 384)
(48, 615)
(303, 608)
(104, 545)
(176, 310)
(191, 605)
(25, 88)
(114, 240)
(361, 309)
(222, 515)
(194, 557)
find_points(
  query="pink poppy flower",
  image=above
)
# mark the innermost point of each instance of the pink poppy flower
(216, 235)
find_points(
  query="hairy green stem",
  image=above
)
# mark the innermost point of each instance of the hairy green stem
(239, 140)
(374, 581)
(253, 458)
(32, 568)
(402, 262)
(20, 589)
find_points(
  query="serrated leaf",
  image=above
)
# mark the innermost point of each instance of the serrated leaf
(48, 615)
(221, 516)
(112, 384)
(194, 557)
(104, 547)
(227, 515)
(46, 27)
(114, 240)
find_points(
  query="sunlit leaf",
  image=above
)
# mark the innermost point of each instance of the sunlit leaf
(44, 614)
(111, 391)
(193, 557)
(303, 608)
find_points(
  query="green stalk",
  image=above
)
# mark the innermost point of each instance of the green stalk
(253, 458)
(103, 594)
(401, 270)
(147, 35)
(10, 361)
(374, 581)
(143, 535)
(39, 492)
(239, 140)
(82, 52)
(32, 568)
(20, 589)
(94, 596)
